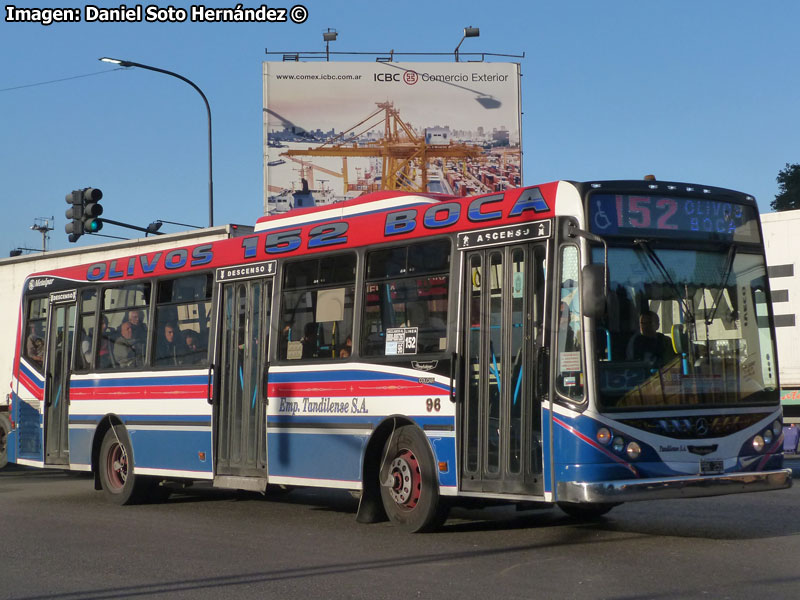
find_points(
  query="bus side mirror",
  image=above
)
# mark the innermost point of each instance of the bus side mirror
(593, 290)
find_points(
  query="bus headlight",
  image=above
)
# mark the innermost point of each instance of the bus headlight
(768, 437)
(619, 444)
(634, 450)
(777, 427)
(758, 443)
(604, 436)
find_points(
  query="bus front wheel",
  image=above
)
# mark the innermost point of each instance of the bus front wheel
(115, 465)
(408, 481)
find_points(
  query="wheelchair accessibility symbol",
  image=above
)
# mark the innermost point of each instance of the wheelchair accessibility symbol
(601, 220)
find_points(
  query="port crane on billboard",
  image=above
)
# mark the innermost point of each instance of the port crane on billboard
(401, 150)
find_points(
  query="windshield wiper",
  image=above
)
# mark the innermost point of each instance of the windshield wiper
(728, 269)
(645, 245)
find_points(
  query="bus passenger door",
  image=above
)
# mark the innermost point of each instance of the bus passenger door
(240, 409)
(58, 360)
(500, 421)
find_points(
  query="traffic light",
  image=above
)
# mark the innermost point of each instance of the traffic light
(74, 227)
(84, 212)
(92, 210)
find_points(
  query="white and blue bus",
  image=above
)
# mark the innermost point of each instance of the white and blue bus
(579, 344)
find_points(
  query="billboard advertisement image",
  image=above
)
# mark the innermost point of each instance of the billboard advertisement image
(335, 131)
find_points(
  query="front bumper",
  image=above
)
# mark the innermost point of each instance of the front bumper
(694, 486)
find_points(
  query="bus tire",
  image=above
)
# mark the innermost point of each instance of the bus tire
(5, 429)
(115, 466)
(408, 481)
(586, 511)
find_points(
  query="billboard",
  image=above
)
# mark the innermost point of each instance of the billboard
(334, 131)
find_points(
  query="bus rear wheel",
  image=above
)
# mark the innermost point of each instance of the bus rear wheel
(115, 464)
(408, 482)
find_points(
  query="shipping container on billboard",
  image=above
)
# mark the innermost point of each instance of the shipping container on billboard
(334, 131)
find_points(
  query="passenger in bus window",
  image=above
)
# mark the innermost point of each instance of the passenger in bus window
(138, 328)
(649, 345)
(128, 352)
(167, 348)
(347, 349)
(192, 353)
(105, 349)
(34, 345)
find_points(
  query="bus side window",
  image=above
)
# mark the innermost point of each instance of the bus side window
(124, 323)
(407, 287)
(569, 365)
(183, 313)
(33, 344)
(317, 308)
(86, 336)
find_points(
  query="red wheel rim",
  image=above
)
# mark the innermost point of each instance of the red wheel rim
(117, 466)
(406, 479)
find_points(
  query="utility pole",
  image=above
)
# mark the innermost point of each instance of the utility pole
(43, 226)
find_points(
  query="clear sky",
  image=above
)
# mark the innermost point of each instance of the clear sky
(694, 91)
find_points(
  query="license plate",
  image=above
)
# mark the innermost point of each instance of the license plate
(711, 467)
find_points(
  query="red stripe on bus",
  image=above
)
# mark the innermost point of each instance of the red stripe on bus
(139, 393)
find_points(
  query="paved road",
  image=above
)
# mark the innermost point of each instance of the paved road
(62, 541)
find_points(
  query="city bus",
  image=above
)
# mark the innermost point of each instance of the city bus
(15, 270)
(571, 344)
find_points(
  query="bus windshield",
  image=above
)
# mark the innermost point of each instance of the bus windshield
(684, 328)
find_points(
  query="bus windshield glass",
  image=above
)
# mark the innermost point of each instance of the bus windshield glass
(684, 328)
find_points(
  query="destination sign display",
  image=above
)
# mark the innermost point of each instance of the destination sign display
(664, 216)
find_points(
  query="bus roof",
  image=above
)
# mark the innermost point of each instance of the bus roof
(373, 219)
(368, 220)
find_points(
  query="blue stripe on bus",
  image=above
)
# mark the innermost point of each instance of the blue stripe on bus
(175, 450)
(138, 419)
(153, 448)
(339, 457)
(29, 430)
(80, 445)
(547, 472)
(31, 374)
(422, 421)
(444, 450)
(316, 456)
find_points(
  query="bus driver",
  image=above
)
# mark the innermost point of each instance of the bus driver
(650, 345)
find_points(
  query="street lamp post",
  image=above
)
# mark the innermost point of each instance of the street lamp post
(468, 32)
(328, 37)
(127, 63)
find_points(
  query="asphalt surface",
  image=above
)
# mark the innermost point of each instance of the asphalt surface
(64, 541)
